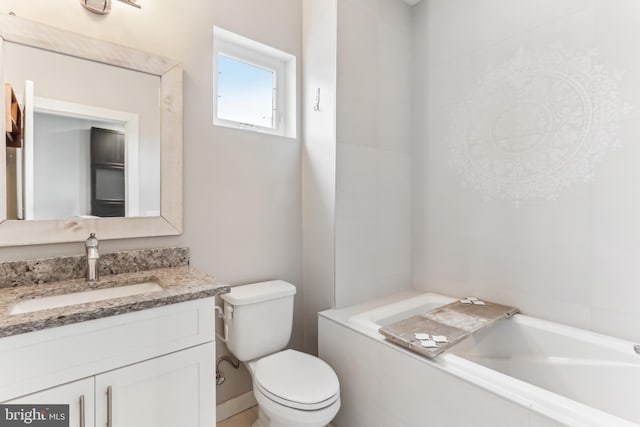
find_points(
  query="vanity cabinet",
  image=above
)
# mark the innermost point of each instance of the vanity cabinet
(168, 391)
(151, 368)
(78, 395)
(163, 392)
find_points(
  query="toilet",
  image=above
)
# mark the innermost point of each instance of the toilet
(293, 389)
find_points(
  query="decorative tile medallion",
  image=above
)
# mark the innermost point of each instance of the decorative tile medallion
(537, 124)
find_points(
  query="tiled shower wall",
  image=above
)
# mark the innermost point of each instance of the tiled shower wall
(373, 176)
(526, 186)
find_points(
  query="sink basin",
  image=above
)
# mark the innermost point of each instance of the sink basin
(64, 300)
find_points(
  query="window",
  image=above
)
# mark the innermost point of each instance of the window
(246, 93)
(254, 85)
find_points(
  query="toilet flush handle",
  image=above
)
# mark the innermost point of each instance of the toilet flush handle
(225, 316)
(228, 312)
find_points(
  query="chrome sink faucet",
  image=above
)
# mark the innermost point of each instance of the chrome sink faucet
(91, 246)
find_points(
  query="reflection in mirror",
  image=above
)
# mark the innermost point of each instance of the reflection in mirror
(99, 91)
(91, 139)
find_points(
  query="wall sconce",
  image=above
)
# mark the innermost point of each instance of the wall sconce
(102, 7)
(132, 3)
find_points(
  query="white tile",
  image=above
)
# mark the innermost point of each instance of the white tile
(395, 245)
(357, 50)
(365, 6)
(373, 223)
(441, 264)
(356, 360)
(540, 249)
(615, 323)
(616, 232)
(383, 175)
(356, 209)
(461, 27)
(394, 86)
(539, 255)
(393, 124)
(539, 270)
(398, 13)
(355, 120)
(538, 420)
(391, 420)
(450, 23)
(413, 386)
(543, 307)
(393, 180)
(357, 168)
(394, 56)
(445, 84)
(243, 419)
(373, 248)
(616, 28)
(356, 254)
(616, 279)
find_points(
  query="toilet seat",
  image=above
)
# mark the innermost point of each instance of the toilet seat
(296, 380)
(293, 404)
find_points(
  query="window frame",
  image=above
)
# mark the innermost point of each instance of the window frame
(256, 54)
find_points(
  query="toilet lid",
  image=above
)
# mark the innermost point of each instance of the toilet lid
(297, 380)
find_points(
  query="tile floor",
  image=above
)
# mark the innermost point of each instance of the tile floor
(244, 419)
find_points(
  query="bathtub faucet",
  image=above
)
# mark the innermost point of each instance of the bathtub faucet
(637, 348)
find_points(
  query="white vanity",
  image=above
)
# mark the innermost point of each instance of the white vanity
(145, 360)
(143, 369)
(143, 356)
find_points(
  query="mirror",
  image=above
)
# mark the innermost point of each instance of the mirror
(93, 149)
(99, 150)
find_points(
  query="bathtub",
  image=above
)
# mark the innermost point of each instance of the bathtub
(522, 371)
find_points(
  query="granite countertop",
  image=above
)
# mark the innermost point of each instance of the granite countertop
(180, 284)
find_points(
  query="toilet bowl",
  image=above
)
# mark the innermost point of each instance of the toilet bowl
(293, 389)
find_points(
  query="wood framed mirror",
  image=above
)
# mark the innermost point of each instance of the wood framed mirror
(70, 226)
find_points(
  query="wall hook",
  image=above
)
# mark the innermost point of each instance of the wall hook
(316, 105)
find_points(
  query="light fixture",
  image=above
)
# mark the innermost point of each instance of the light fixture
(102, 7)
(132, 3)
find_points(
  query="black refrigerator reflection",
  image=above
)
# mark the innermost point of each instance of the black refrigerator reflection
(107, 173)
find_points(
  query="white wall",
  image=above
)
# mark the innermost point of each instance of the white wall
(319, 161)
(62, 168)
(62, 165)
(242, 190)
(519, 195)
(373, 196)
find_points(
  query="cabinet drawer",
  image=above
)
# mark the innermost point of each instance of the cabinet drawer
(42, 359)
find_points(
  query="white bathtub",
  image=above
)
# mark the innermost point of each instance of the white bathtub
(521, 372)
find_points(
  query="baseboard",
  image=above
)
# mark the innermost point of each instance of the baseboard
(235, 406)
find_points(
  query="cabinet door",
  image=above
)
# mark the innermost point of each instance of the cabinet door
(176, 390)
(78, 395)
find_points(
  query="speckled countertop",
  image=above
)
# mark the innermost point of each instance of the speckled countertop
(180, 283)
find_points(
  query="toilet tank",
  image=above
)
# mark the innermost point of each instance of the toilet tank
(259, 318)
